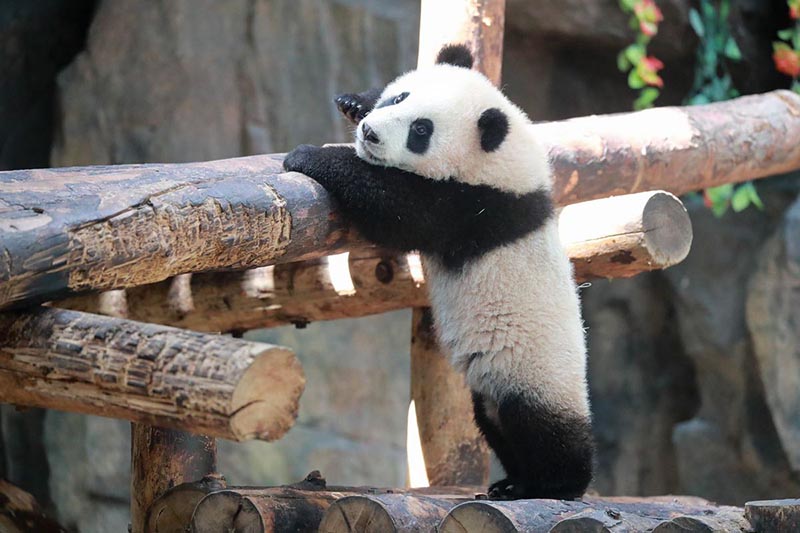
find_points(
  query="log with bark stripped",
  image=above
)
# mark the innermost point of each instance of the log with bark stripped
(74, 229)
(208, 384)
(613, 237)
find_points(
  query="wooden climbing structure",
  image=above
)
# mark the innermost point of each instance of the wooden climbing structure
(115, 282)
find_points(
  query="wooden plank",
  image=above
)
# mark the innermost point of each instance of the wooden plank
(73, 229)
(208, 384)
(160, 459)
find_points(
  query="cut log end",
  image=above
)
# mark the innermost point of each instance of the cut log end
(476, 516)
(267, 418)
(226, 511)
(667, 229)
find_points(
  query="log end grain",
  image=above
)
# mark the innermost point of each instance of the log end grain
(667, 229)
(226, 510)
(265, 400)
(476, 516)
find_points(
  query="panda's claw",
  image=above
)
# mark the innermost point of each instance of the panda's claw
(351, 106)
(301, 158)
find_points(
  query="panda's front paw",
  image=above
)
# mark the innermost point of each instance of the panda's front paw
(352, 107)
(501, 490)
(301, 159)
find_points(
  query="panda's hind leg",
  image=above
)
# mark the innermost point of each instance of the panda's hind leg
(486, 418)
(552, 450)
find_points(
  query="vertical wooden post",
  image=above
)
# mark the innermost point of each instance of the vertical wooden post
(454, 451)
(162, 458)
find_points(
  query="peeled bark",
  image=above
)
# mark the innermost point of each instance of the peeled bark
(208, 384)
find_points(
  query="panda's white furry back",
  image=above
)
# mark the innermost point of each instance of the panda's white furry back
(445, 164)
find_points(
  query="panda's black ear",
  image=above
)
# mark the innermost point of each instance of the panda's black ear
(457, 55)
(493, 126)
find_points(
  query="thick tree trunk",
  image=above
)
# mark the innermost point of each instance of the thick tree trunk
(149, 374)
(74, 229)
(160, 459)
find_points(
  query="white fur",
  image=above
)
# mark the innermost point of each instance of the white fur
(518, 304)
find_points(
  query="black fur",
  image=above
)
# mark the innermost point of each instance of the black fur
(545, 453)
(457, 55)
(393, 100)
(357, 106)
(453, 221)
(493, 126)
(419, 136)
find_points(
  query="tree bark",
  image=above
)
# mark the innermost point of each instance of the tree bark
(68, 230)
(627, 235)
(774, 515)
(21, 513)
(594, 514)
(172, 511)
(149, 374)
(160, 459)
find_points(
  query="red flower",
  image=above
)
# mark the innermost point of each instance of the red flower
(794, 9)
(649, 15)
(648, 69)
(707, 200)
(786, 59)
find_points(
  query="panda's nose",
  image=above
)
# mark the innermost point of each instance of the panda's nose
(369, 135)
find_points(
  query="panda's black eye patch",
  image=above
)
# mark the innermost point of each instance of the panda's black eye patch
(393, 101)
(419, 135)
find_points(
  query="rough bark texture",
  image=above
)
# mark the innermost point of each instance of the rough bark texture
(779, 516)
(150, 374)
(161, 459)
(594, 514)
(67, 230)
(21, 513)
(627, 235)
(62, 232)
(172, 511)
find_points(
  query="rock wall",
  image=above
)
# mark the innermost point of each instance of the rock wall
(692, 371)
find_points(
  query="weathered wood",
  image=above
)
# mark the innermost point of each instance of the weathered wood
(74, 229)
(676, 149)
(21, 513)
(388, 513)
(627, 235)
(592, 514)
(160, 459)
(775, 516)
(172, 511)
(476, 23)
(622, 236)
(292, 508)
(455, 452)
(155, 375)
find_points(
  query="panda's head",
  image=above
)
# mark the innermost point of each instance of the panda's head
(449, 122)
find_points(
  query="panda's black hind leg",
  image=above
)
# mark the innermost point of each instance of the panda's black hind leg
(546, 454)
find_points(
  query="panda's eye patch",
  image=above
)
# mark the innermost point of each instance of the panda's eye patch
(422, 127)
(393, 101)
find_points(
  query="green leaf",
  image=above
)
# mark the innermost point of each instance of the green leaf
(646, 98)
(634, 80)
(697, 23)
(622, 62)
(740, 199)
(732, 50)
(719, 208)
(786, 35)
(720, 193)
(724, 10)
(634, 53)
(699, 99)
(627, 5)
(755, 199)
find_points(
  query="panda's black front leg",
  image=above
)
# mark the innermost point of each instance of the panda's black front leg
(356, 106)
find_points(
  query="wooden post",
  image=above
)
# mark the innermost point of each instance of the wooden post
(453, 449)
(161, 459)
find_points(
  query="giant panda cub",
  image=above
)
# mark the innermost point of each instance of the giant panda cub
(445, 164)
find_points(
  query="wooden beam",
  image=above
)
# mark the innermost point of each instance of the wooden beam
(74, 229)
(160, 459)
(208, 384)
(594, 514)
(21, 513)
(624, 235)
(173, 509)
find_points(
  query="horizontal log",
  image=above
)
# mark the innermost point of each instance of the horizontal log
(21, 513)
(208, 384)
(593, 514)
(172, 511)
(293, 508)
(624, 235)
(68, 230)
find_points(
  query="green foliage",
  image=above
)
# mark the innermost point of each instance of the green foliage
(713, 83)
(642, 69)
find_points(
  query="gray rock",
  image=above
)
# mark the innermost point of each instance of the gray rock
(773, 318)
